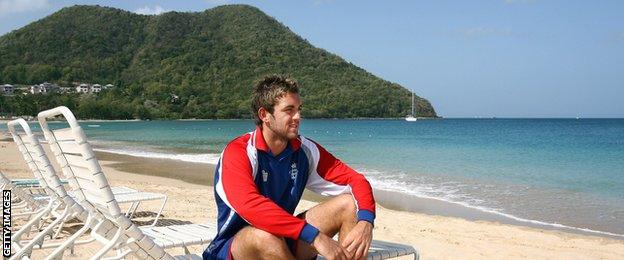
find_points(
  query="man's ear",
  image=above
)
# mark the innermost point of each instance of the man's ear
(263, 114)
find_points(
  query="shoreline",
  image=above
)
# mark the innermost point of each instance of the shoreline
(387, 199)
(34, 120)
(434, 236)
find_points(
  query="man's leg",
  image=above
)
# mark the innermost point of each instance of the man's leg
(330, 217)
(336, 215)
(253, 243)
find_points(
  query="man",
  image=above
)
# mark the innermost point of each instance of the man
(260, 179)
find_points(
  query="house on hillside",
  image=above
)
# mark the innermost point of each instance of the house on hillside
(43, 88)
(48, 87)
(7, 89)
(83, 88)
(174, 98)
(66, 89)
(34, 89)
(96, 88)
(107, 86)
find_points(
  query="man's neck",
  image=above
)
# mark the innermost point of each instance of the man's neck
(275, 143)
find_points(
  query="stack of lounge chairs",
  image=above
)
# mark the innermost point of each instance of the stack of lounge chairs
(90, 200)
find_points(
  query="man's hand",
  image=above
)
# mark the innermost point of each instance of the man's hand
(328, 247)
(359, 239)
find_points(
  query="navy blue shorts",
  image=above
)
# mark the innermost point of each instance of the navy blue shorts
(225, 253)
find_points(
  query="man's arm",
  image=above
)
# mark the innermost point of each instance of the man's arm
(359, 240)
(333, 170)
(240, 193)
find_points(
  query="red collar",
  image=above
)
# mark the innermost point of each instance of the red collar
(261, 144)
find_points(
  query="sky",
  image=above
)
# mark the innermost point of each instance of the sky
(497, 58)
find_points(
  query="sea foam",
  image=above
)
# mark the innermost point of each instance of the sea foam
(207, 158)
(447, 192)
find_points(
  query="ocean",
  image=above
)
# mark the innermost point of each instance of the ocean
(561, 173)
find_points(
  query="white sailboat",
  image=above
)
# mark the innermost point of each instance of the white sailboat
(411, 118)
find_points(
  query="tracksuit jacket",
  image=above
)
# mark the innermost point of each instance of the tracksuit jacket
(254, 187)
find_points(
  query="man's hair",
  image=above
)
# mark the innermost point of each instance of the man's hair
(268, 91)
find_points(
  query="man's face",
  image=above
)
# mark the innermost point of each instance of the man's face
(286, 116)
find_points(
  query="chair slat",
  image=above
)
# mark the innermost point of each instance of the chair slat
(42, 161)
(87, 184)
(76, 160)
(69, 147)
(183, 237)
(29, 146)
(63, 134)
(159, 238)
(24, 138)
(81, 172)
(95, 198)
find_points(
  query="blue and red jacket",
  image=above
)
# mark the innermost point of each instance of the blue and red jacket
(254, 187)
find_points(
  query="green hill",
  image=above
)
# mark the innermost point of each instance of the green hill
(208, 59)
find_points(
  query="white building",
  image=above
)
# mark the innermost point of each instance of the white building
(7, 89)
(43, 88)
(83, 88)
(48, 87)
(35, 89)
(66, 89)
(96, 88)
(109, 86)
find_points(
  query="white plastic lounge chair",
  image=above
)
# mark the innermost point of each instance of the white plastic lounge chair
(23, 204)
(86, 178)
(39, 164)
(30, 182)
(45, 221)
(41, 167)
(383, 250)
(122, 194)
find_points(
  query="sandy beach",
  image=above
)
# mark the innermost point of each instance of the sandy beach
(434, 236)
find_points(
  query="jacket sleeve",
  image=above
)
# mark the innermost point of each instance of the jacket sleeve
(243, 197)
(330, 176)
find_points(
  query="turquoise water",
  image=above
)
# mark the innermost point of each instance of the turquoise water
(560, 172)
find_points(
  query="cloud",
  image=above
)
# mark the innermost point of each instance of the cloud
(217, 2)
(156, 10)
(18, 6)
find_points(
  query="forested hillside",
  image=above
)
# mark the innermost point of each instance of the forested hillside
(208, 59)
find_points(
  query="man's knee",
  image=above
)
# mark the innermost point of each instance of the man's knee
(252, 242)
(347, 205)
(262, 237)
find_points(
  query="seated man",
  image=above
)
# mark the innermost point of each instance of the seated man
(260, 179)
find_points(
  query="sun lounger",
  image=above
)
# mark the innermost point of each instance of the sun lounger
(384, 250)
(23, 204)
(30, 182)
(40, 165)
(64, 209)
(28, 144)
(85, 176)
(45, 221)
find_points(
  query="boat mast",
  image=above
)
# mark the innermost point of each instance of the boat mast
(413, 104)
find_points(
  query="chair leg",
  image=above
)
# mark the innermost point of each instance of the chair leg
(160, 211)
(129, 212)
(58, 252)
